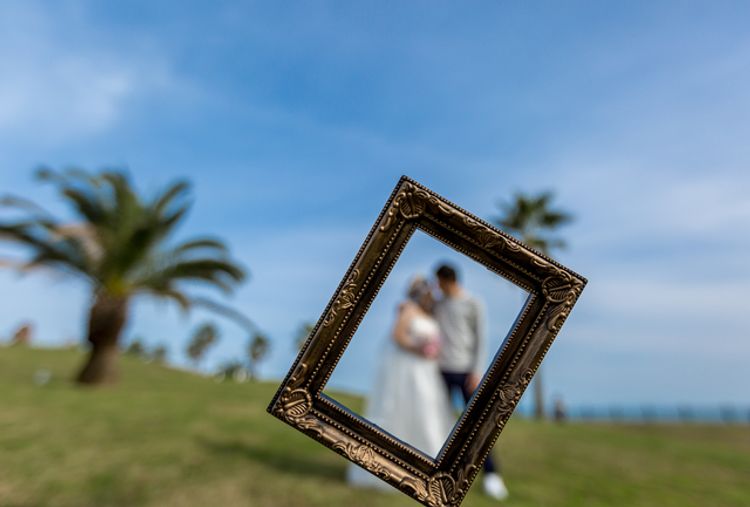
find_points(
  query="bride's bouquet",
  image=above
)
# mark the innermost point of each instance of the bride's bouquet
(430, 346)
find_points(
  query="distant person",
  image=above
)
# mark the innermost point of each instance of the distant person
(559, 412)
(462, 357)
(22, 336)
(409, 399)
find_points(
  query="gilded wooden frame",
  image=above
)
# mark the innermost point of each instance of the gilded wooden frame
(444, 480)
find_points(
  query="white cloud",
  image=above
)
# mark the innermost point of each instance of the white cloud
(55, 87)
(619, 205)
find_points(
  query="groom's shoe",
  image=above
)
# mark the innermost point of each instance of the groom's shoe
(495, 487)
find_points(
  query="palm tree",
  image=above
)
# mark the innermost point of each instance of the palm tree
(531, 219)
(159, 354)
(120, 246)
(257, 351)
(136, 349)
(205, 336)
(232, 370)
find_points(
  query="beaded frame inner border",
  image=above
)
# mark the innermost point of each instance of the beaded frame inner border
(444, 480)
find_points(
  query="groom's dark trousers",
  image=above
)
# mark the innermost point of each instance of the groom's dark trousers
(458, 381)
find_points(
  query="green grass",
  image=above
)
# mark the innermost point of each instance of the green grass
(167, 438)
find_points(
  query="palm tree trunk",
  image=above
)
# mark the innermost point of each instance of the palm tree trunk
(106, 320)
(538, 396)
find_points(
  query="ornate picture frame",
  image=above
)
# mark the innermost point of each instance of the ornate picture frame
(444, 480)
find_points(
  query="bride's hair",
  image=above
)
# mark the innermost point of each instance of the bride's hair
(418, 288)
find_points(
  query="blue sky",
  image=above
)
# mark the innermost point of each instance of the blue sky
(294, 122)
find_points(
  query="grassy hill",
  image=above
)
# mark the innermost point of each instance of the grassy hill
(168, 438)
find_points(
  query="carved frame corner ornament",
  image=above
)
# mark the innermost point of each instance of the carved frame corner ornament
(444, 480)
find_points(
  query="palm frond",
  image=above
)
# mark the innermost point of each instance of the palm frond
(171, 194)
(182, 300)
(47, 250)
(227, 311)
(86, 205)
(122, 191)
(554, 218)
(47, 174)
(208, 244)
(167, 270)
(528, 216)
(23, 204)
(169, 221)
(202, 268)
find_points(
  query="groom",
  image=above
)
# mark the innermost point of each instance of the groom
(462, 356)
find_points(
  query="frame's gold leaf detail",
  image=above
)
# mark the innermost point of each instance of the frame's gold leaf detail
(362, 455)
(345, 300)
(509, 395)
(444, 480)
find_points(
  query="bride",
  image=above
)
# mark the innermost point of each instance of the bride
(410, 400)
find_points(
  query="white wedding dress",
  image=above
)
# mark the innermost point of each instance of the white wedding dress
(409, 399)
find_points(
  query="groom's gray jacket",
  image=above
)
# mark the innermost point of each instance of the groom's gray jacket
(462, 329)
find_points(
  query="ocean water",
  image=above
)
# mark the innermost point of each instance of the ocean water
(651, 413)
